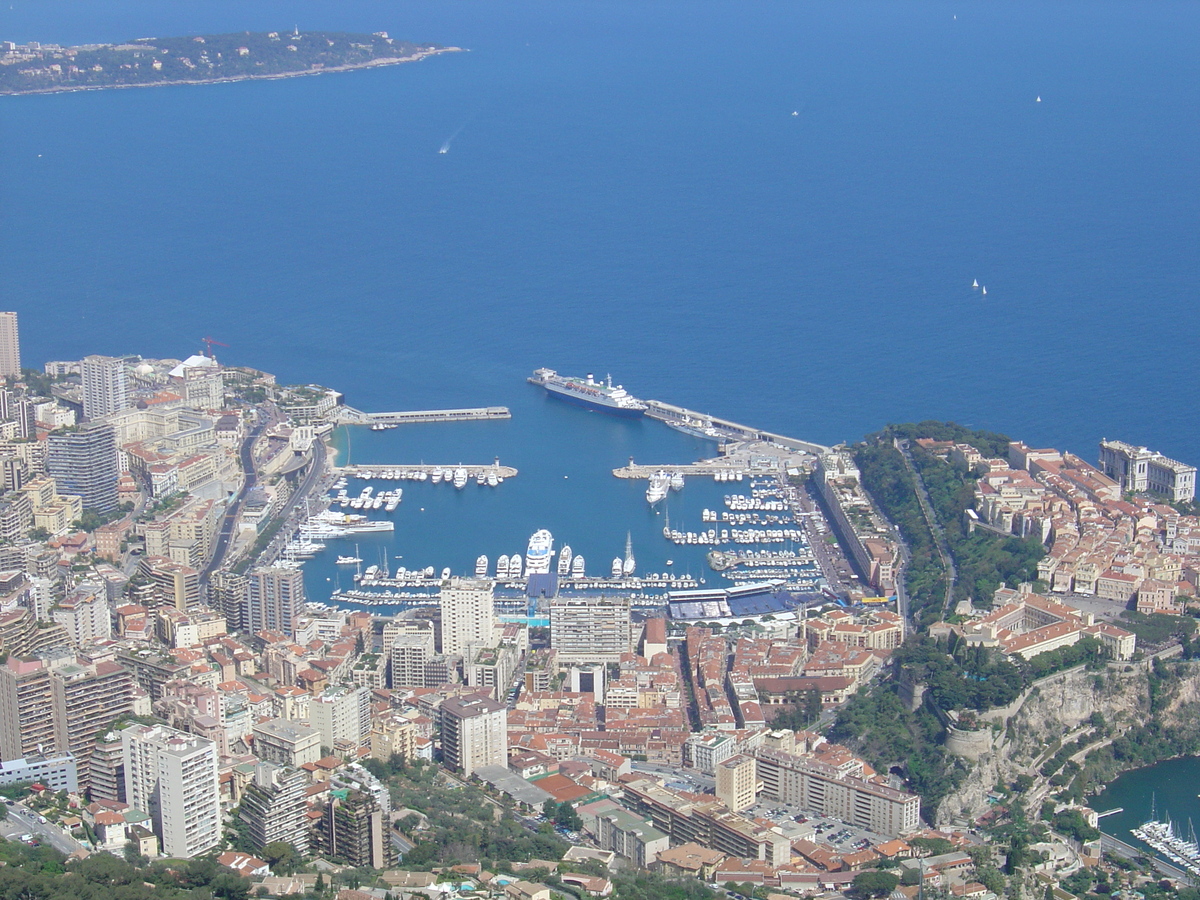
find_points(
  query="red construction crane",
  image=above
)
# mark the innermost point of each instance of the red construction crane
(210, 342)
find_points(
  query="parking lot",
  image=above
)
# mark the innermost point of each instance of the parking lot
(799, 825)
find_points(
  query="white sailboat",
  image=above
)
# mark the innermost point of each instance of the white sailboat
(975, 284)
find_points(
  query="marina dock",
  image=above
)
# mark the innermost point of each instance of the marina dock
(348, 415)
(388, 472)
(758, 457)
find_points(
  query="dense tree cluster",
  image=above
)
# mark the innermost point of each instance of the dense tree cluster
(888, 735)
(42, 873)
(463, 825)
(984, 560)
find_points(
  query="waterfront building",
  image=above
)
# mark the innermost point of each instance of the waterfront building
(287, 742)
(737, 782)
(105, 386)
(352, 829)
(474, 733)
(1139, 469)
(274, 599)
(273, 807)
(468, 614)
(172, 776)
(590, 629)
(839, 791)
(863, 530)
(10, 346)
(342, 715)
(83, 461)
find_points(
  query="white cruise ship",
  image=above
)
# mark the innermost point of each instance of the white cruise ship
(539, 553)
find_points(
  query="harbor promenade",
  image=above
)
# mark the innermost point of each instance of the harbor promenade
(727, 429)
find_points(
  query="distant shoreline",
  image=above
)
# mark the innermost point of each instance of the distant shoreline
(387, 61)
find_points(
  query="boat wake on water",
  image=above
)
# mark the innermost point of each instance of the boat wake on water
(445, 148)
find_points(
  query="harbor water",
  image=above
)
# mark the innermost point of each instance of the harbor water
(1171, 787)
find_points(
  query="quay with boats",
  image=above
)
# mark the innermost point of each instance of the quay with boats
(491, 474)
(1163, 838)
(348, 415)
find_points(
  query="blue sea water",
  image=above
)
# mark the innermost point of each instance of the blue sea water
(628, 191)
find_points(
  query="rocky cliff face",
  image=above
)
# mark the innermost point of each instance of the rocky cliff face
(1058, 709)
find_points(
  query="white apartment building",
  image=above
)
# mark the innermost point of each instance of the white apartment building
(468, 615)
(589, 629)
(172, 776)
(85, 614)
(474, 733)
(10, 345)
(342, 715)
(105, 386)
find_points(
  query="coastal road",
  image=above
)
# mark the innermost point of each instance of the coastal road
(225, 537)
(24, 821)
(312, 479)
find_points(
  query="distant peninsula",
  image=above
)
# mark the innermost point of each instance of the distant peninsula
(203, 59)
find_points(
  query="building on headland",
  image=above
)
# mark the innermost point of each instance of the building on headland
(590, 629)
(10, 346)
(867, 537)
(1139, 469)
(1025, 624)
(172, 776)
